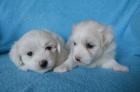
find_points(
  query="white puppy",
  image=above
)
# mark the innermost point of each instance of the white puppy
(91, 45)
(38, 51)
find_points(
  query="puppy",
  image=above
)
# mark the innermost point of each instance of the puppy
(38, 51)
(91, 45)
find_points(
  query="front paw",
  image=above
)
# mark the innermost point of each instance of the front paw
(121, 68)
(61, 69)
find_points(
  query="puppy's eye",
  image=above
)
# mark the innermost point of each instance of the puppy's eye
(74, 43)
(89, 46)
(30, 53)
(48, 48)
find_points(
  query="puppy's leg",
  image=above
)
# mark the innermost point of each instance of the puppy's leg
(69, 64)
(112, 64)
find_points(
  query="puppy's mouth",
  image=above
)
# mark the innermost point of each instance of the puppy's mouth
(83, 62)
(43, 70)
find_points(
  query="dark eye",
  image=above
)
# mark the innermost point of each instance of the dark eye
(48, 48)
(74, 43)
(30, 53)
(89, 46)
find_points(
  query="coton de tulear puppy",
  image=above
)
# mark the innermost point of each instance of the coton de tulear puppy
(38, 51)
(91, 45)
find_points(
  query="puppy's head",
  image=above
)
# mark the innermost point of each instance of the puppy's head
(37, 50)
(90, 39)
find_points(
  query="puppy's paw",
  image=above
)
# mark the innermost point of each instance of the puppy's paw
(120, 68)
(23, 68)
(61, 69)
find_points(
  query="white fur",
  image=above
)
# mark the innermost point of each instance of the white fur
(101, 55)
(36, 41)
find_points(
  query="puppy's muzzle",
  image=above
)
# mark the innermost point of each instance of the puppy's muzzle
(43, 63)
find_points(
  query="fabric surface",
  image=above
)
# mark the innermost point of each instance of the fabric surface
(18, 17)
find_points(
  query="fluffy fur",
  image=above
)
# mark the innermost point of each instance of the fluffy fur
(91, 45)
(38, 51)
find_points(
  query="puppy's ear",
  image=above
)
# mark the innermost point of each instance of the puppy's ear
(60, 43)
(58, 47)
(106, 36)
(15, 56)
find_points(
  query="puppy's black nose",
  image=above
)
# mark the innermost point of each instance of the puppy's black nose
(78, 58)
(43, 63)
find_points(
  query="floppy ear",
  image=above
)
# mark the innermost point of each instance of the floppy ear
(15, 56)
(60, 43)
(59, 47)
(106, 36)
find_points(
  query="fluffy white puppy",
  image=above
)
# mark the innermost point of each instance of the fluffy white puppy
(38, 51)
(91, 45)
